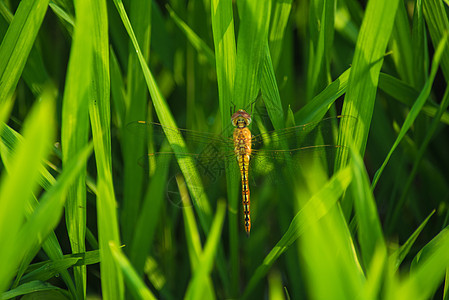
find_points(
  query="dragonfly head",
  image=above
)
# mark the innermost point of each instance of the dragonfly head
(241, 119)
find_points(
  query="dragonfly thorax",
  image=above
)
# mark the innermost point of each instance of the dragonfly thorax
(241, 119)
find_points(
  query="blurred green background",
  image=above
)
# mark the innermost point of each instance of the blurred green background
(82, 215)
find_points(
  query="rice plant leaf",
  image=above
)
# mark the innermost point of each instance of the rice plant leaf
(197, 289)
(194, 39)
(10, 139)
(419, 45)
(315, 109)
(371, 238)
(321, 28)
(252, 40)
(402, 252)
(99, 112)
(20, 182)
(225, 64)
(406, 94)
(312, 211)
(149, 217)
(366, 64)
(75, 128)
(270, 92)
(27, 288)
(401, 43)
(427, 271)
(136, 108)
(415, 110)
(186, 164)
(277, 30)
(17, 43)
(438, 26)
(133, 280)
(49, 270)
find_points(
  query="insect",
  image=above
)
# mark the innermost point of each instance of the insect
(264, 151)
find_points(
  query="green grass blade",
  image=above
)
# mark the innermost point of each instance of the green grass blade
(176, 141)
(315, 109)
(402, 252)
(401, 43)
(367, 61)
(270, 92)
(321, 29)
(99, 111)
(135, 283)
(407, 95)
(312, 211)
(251, 43)
(438, 26)
(27, 288)
(277, 30)
(194, 39)
(149, 217)
(415, 110)
(197, 288)
(371, 238)
(225, 64)
(427, 269)
(21, 181)
(17, 44)
(136, 108)
(51, 246)
(74, 131)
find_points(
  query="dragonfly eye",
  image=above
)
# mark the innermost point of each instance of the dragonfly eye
(239, 117)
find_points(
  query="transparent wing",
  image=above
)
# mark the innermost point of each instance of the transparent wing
(302, 136)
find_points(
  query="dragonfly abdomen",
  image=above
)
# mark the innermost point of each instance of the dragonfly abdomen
(242, 149)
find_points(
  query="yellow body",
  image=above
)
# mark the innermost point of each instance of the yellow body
(242, 150)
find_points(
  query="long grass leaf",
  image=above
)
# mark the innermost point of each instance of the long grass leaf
(21, 181)
(415, 109)
(312, 211)
(74, 131)
(17, 44)
(225, 63)
(99, 111)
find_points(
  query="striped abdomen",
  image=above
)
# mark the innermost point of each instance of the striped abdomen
(242, 149)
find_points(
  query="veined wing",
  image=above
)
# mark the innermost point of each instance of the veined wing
(302, 136)
(209, 152)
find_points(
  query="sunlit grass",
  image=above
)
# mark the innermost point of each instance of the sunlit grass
(81, 217)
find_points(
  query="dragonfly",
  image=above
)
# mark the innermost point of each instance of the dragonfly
(211, 152)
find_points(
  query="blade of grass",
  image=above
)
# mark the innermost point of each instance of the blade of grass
(27, 288)
(74, 131)
(427, 269)
(438, 26)
(402, 252)
(315, 109)
(277, 31)
(225, 64)
(21, 181)
(194, 39)
(17, 44)
(197, 288)
(135, 283)
(415, 109)
(99, 111)
(252, 40)
(424, 144)
(370, 235)
(51, 246)
(149, 217)
(312, 211)
(136, 107)
(363, 80)
(321, 30)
